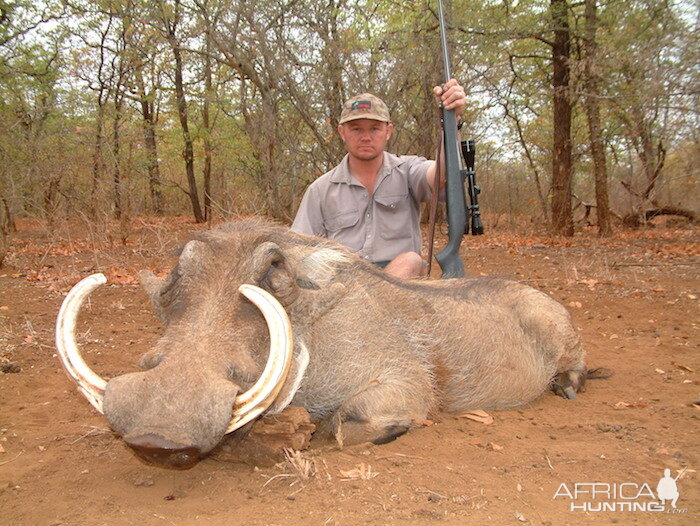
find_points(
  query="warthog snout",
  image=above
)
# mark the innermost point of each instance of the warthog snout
(164, 419)
(155, 449)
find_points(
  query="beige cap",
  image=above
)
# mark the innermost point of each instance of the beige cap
(364, 106)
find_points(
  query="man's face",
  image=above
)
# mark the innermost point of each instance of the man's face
(365, 139)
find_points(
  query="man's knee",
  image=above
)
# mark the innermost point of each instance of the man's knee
(407, 265)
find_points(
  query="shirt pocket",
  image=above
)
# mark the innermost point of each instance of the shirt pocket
(395, 216)
(340, 228)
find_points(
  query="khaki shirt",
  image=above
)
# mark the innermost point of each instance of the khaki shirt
(378, 227)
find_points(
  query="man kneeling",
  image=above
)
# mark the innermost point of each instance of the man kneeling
(370, 202)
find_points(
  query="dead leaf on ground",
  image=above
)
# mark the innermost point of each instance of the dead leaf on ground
(361, 472)
(495, 447)
(29, 339)
(683, 367)
(478, 416)
(590, 283)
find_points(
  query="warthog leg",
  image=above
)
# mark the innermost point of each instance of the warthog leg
(568, 383)
(379, 414)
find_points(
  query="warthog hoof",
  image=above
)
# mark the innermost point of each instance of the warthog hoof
(568, 383)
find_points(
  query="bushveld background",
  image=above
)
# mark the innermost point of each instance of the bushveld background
(583, 112)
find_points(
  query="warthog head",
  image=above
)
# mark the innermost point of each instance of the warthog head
(223, 306)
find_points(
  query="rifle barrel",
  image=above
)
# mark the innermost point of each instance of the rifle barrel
(443, 40)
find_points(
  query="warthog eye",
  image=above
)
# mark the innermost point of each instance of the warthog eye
(151, 359)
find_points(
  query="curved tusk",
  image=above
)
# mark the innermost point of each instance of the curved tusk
(253, 402)
(89, 383)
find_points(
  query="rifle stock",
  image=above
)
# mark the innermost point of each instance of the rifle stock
(448, 259)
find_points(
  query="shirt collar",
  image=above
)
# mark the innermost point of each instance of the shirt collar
(341, 173)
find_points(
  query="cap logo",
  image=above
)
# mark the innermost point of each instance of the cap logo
(362, 105)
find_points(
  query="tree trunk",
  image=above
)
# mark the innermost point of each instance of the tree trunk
(267, 134)
(652, 163)
(149, 138)
(97, 162)
(562, 215)
(594, 126)
(188, 152)
(206, 123)
(513, 114)
(332, 52)
(116, 147)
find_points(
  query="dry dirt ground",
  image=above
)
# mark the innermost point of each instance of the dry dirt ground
(634, 297)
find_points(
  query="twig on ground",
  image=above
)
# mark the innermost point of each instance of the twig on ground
(548, 461)
(431, 492)
(280, 475)
(94, 431)
(12, 459)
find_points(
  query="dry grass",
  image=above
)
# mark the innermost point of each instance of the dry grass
(303, 468)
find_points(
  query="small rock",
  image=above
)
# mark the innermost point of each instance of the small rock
(10, 368)
(143, 482)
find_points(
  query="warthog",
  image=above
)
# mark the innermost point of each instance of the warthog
(369, 356)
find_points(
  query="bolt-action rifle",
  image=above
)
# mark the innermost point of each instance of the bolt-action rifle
(448, 258)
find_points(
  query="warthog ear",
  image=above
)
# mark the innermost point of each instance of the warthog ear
(153, 285)
(272, 273)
